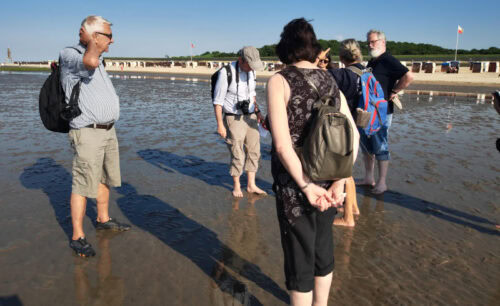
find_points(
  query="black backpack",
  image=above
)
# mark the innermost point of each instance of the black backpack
(54, 111)
(215, 76)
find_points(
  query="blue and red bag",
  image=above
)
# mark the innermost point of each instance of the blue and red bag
(371, 100)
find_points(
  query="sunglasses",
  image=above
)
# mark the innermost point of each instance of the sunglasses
(324, 61)
(110, 36)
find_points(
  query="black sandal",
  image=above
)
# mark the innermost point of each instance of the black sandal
(82, 247)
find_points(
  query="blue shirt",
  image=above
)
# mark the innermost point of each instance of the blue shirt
(98, 100)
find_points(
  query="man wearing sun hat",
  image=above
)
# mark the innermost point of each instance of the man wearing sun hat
(237, 116)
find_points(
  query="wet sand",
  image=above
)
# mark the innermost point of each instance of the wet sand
(430, 240)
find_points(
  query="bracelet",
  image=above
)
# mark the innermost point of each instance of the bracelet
(305, 186)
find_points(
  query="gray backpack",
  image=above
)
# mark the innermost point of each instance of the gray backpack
(327, 153)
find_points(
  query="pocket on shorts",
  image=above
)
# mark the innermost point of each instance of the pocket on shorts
(74, 137)
(80, 172)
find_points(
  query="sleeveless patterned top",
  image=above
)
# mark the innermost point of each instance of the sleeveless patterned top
(291, 201)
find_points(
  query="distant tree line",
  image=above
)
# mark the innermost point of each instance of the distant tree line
(395, 47)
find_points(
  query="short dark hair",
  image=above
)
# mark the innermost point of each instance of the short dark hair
(298, 42)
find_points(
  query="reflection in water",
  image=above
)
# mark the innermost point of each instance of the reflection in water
(194, 241)
(243, 239)
(109, 289)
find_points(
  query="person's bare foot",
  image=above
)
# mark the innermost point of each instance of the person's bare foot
(355, 210)
(237, 193)
(379, 189)
(256, 190)
(365, 182)
(343, 222)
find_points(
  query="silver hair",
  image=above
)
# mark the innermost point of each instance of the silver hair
(380, 34)
(94, 23)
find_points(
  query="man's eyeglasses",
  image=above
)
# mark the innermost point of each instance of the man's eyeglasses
(324, 61)
(372, 42)
(110, 36)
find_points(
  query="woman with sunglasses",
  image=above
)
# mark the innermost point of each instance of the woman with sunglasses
(305, 209)
(349, 84)
(324, 59)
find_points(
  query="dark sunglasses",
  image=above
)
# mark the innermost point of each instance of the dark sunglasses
(110, 36)
(324, 61)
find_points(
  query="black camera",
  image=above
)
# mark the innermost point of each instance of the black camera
(70, 112)
(244, 106)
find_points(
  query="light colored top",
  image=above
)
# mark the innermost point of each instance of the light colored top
(98, 100)
(226, 95)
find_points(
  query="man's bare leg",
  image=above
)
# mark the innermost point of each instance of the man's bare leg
(237, 187)
(381, 186)
(252, 187)
(78, 204)
(369, 161)
(102, 203)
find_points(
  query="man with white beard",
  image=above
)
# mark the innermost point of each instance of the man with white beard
(393, 77)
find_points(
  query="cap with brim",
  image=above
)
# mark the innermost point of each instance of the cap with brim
(251, 56)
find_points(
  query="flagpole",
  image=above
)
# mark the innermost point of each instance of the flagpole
(456, 47)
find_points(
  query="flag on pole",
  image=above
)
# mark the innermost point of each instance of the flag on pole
(192, 45)
(460, 30)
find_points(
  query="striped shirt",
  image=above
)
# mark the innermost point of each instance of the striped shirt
(98, 100)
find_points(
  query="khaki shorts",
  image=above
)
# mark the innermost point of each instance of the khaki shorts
(96, 160)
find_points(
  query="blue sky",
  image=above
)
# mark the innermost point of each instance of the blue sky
(37, 30)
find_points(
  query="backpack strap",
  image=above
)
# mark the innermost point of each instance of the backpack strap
(358, 71)
(229, 75)
(75, 92)
(324, 99)
(355, 69)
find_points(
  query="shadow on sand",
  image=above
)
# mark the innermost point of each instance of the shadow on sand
(436, 210)
(55, 181)
(197, 243)
(212, 173)
(163, 221)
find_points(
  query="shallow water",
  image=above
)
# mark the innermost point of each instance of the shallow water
(430, 240)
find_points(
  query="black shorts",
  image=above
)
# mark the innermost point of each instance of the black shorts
(307, 248)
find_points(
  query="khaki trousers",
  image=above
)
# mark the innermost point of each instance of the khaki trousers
(243, 137)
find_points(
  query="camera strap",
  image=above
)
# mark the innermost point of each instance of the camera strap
(238, 82)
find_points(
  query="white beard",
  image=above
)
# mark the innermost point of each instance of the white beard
(375, 53)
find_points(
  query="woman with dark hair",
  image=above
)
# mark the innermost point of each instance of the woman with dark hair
(324, 59)
(306, 209)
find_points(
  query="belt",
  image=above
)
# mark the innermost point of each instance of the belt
(231, 114)
(101, 126)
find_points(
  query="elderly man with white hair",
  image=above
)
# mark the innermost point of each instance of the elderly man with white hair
(393, 77)
(96, 162)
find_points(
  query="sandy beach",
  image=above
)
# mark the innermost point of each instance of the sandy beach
(464, 78)
(430, 240)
